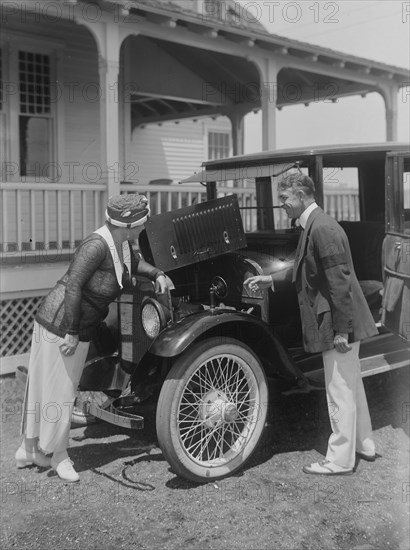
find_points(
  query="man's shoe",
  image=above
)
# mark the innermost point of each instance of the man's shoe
(27, 458)
(327, 468)
(364, 456)
(304, 385)
(65, 470)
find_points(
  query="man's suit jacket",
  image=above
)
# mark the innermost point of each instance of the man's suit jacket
(329, 294)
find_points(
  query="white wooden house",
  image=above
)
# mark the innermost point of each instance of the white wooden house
(175, 150)
(87, 84)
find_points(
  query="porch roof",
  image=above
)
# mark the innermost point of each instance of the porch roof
(235, 28)
(220, 56)
(314, 72)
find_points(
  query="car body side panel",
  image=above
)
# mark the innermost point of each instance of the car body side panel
(175, 339)
(245, 327)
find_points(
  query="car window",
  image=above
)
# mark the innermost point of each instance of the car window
(245, 191)
(406, 195)
(341, 193)
(406, 190)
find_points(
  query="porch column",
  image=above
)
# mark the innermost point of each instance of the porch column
(125, 114)
(109, 116)
(390, 96)
(269, 76)
(236, 119)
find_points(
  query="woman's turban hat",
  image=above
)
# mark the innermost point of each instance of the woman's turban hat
(127, 210)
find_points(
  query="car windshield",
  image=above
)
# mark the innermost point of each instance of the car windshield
(250, 202)
(340, 192)
(349, 180)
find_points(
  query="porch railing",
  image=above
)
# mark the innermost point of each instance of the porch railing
(163, 198)
(342, 204)
(55, 217)
(48, 216)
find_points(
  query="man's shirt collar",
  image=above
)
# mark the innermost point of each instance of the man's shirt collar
(306, 213)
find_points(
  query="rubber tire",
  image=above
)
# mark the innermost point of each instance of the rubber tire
(172, 389)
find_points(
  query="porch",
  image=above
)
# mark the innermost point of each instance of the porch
(42, 224)
(43, 220)
(80, 132)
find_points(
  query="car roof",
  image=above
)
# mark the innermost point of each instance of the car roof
(310, 151)
(261, 163)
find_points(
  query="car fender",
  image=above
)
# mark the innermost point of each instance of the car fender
(175, 339)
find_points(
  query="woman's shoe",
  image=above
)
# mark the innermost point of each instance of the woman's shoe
(26, 458)
(65, 470)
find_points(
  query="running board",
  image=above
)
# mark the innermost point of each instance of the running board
(371, 365)
(115, 413)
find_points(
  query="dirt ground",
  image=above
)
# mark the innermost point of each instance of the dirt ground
(128, 497)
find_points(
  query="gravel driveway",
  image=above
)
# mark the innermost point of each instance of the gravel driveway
(129, 498)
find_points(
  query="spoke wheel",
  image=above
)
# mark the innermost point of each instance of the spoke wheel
(212, 409)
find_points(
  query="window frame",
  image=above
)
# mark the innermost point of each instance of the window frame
(217, 131)
(394, 193)
(10, 113)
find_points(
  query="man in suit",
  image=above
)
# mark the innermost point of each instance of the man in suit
(335, 317)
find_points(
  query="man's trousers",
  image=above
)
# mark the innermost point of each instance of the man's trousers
(348, 411)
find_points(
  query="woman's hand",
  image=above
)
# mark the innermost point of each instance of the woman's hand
(69, 345)
(161, 284)
(258, 282)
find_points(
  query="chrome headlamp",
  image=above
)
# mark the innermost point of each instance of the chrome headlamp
(154, 316)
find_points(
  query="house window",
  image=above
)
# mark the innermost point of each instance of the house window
(34, 146)
(35, 115)
(219, 145)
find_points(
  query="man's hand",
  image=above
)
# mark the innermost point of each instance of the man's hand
(258, 282)
(69, 345)
(340, 342)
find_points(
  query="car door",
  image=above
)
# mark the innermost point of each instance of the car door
(396, 246)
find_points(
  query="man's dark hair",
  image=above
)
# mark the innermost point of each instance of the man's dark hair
(298, 181)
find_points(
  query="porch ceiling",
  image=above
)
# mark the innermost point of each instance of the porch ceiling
(187, 82)
(145, 107)
(296, 86)
(192, 82)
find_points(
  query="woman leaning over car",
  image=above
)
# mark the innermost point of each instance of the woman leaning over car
(64, 326)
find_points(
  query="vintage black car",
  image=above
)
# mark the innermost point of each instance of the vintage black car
(209, 345)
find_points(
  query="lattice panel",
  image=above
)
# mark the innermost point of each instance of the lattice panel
(17, 317)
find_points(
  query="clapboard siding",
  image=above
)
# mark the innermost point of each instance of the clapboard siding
(76, 75)
(81, 116)
(173, 151)
(77, 113)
